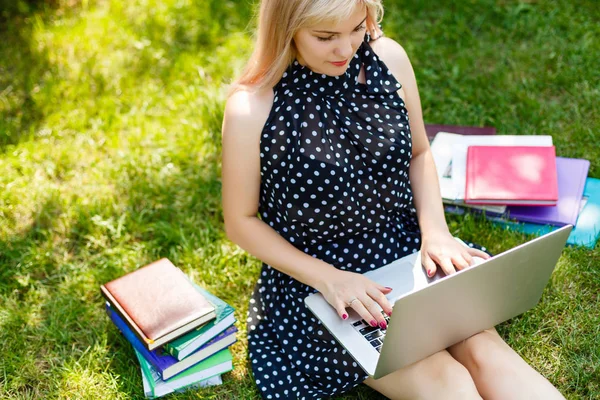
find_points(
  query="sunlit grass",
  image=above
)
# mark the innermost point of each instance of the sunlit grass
(110, 117)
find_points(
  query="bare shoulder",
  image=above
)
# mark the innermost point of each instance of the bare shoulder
(396, 59)
(392, 54)
(246, 111)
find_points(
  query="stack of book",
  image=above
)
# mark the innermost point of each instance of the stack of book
(180, 332)
(516, 180)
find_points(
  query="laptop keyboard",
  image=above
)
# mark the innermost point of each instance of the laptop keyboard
(374, 335)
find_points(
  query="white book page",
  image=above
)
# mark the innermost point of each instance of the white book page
(147, 389)
(198, 380)
(441, 149)
(459, 153)
(492, 208)
(214, 381)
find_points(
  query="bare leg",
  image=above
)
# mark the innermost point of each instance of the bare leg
(437, 377)
(498, 371)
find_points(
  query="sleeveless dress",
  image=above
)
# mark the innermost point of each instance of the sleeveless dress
(335, 155)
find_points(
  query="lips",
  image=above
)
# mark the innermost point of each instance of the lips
(339, 63)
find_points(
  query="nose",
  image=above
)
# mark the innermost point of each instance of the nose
(345, 49)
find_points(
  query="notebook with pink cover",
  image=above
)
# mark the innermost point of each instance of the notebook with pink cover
(511, 175)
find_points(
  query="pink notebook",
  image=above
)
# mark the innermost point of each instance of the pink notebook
(511, 175)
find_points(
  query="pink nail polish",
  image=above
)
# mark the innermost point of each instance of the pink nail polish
(429, 273)
(390, 314)
(344, 316)
(388, 288)
(373, 323)
(382, 325)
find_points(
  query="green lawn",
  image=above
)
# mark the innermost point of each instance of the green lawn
(110, 115)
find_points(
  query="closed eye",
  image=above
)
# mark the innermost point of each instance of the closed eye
(325, 39)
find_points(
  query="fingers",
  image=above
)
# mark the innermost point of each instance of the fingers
(428, 264)
(369, 311)
(449, 264)
(340, 308)
(369, 305)
(467, 257)
(478, 253)
(460, 262)
(364, 296)
(446, 264)
(381, 300)
(383, 289)
(362, 311)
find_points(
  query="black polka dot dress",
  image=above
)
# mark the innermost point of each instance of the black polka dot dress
(335, 155)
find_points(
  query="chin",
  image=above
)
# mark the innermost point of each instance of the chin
(339, 73)
(336, 71)
(330, 70)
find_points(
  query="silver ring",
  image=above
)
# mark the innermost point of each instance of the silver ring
(351, 301)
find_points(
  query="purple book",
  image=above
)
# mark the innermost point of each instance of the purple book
(167, 365)
(571, 175)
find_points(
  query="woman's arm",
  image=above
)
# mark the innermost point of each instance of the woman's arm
(438, 245)
(245, 116)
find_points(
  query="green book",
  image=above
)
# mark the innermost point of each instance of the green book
(215, 365)
(214, 381)
(192, 341)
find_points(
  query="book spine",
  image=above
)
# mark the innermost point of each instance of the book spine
(585, 166)
(203, 355)
(147, 377)
(185, 350)
(115, 306)
(189, 342)
(469, 177)
(132, 339)
(171, 351)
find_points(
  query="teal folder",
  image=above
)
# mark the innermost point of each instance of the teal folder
(587, 228)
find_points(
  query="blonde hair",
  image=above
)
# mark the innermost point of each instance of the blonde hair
(278, 22)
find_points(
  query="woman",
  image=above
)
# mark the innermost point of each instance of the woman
(317, 141)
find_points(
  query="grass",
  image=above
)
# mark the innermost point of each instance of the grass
(110, 118)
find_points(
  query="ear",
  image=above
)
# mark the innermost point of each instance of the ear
(373, 28)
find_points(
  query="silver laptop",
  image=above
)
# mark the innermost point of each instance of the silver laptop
(433, 314)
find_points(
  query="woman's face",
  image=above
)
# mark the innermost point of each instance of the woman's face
(326, 48)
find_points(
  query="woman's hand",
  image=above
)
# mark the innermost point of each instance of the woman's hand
(340, 288)
(447, 252)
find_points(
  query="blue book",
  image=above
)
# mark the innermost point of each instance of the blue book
(587, 229)
(167, 365)
(185, 345)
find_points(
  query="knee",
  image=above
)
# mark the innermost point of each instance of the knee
(453, 377)
(487, 355)
(438, 376)
(449, 377)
